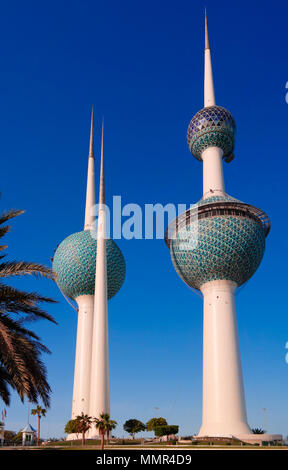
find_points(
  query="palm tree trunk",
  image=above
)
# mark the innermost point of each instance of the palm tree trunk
(83, 438)
(102, 441)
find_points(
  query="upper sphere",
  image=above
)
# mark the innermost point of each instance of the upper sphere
(75, 265)
(212, 126)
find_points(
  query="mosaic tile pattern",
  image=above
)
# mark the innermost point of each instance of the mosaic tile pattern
(75, 264)
(228, 247)
(221, 198)
(212, 126)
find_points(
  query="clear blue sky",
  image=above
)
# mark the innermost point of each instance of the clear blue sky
(141, 65)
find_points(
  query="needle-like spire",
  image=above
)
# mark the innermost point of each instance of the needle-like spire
(102, 182)
(90, 191)
(207, 45)
(91, 146)
(209, 96)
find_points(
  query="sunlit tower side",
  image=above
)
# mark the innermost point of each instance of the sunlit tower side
(100, 401)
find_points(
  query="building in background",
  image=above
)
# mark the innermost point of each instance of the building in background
(28, 435)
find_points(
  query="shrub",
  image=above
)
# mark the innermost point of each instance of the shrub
(166, 430)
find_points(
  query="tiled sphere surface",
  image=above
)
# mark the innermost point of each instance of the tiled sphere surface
(221, 198)
(212, 126)
(218, 247)
(75, 264)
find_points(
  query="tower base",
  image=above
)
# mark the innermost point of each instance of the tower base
(246, 438)
(74, 437)
(224, 409)
(91, 434)
(225, 429)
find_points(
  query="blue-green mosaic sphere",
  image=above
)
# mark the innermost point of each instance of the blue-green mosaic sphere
(218, 247)
(212, 126)
(75, 264)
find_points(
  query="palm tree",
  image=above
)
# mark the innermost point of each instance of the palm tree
(21, 367)
(40, 412)
(104, 425)
(84, 423)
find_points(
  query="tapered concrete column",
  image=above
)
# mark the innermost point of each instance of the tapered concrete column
(209, 96)
(224, 409)
(100, 399)
(213, 178)
(99, 388)
(90, 196)
(81, 390)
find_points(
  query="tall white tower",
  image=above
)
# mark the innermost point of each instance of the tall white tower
(82, 371)
(90, 269)
(216, 247)
(100, 401)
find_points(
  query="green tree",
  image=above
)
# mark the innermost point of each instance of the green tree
(104, 425)
(84, 423)
(72, 427)
(154, 422)
(167, 430)
(17, 439)
(9, 437)
(21, 367)
(132, 426)
(39, 412)
(258, 431)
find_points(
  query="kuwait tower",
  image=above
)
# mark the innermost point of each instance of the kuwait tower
(90, 269)
(216, 246)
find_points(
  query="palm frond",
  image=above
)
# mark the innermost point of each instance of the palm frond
(5, 382)
(10, 215)
(25, 368)
(15, 326)
(4, 230)
(21, 367)
(13, 300)
(20, 268)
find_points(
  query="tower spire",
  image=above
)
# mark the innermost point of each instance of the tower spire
(102, 182)
(209, 96)
(90, 191)
(91, 146)
(207, 45)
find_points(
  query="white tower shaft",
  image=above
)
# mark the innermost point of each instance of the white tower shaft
(99, 391)
(82, 373)
(81, 389)
(224, 409)
(213, 179)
